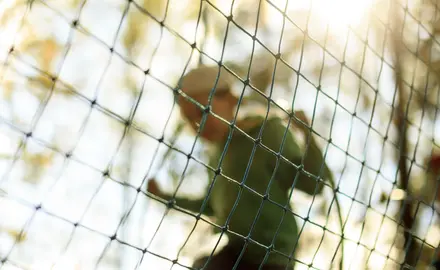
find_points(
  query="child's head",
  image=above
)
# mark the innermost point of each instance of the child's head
(198, 84)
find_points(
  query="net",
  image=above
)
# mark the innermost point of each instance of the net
(89, 116)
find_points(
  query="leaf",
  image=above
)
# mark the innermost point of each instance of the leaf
(366, 100)
(193, 11)
(49, 48)
(41, 81)
(44, 50)
(75, 3)
(8, 87)
(138, 24)
(35, 165)
(19, 236)
(155, 7)
(9, 13)
(39, 85)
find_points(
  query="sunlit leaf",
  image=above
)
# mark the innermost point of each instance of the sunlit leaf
(41, 81)
(155, 7)
(192, 11)
(10, 12)
(39, 85)
(17, 235)
(49, 49)
(36, 164)
(75, 3)
(366, 100)
(8, 87)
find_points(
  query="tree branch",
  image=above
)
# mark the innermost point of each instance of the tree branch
(401, 123)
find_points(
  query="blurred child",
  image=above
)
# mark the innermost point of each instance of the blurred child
(249, 197)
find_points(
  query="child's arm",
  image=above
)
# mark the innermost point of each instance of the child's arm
(286, 173)
(188, 204)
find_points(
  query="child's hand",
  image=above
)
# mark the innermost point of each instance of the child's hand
(153, 188)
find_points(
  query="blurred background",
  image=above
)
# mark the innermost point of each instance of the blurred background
(87, 116)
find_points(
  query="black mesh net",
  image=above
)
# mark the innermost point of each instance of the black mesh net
(90, 116)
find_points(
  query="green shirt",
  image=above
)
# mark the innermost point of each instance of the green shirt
(252, 191)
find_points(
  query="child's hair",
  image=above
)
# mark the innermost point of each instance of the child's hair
(204, 78)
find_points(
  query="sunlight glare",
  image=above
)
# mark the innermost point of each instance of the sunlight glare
(398, 194)
(342, 12)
